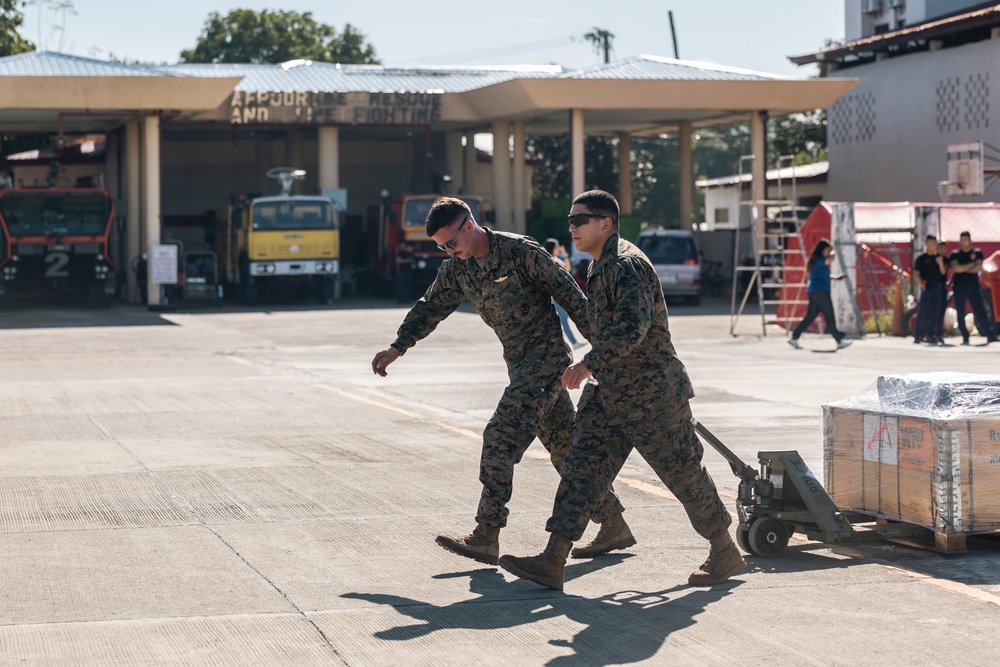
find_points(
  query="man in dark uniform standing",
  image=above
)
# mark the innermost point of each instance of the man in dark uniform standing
(966, 263)
(511, 281)
(639, 400)
(929, 269)
(942, 250)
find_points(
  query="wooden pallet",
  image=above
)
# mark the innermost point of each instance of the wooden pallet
(940, 541)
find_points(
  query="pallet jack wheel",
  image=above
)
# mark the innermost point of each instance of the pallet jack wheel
(743, 539)
(768, 537)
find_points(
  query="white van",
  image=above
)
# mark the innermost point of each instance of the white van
(675, 257)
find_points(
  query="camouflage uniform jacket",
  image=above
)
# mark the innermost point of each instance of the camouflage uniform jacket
(632, 357)
(513, 293)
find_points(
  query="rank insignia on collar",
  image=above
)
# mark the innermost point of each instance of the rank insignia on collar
(501, 279)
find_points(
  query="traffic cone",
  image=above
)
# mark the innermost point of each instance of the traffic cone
(897, 311)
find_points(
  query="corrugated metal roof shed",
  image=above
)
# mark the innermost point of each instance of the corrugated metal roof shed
(50, 63)
(659, 68)
(802, 171)
(304, 75)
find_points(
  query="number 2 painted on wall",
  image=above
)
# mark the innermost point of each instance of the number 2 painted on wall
(58, 261)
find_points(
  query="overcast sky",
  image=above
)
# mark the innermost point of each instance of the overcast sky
(753, 34)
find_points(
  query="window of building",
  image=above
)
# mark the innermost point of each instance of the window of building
(721, 216)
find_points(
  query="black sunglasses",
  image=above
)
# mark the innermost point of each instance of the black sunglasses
(580, 219)
(450, 245)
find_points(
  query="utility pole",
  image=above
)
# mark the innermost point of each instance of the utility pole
(601, 40)
(673, 33)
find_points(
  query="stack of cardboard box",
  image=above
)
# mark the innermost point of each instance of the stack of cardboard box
(921, 448)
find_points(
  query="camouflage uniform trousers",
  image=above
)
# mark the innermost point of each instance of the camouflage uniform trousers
(524, 412)
(668, 443)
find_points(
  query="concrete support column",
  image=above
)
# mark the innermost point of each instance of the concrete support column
(453, 162)
(112, 166)
(758, 147)
(328, 139)
(576, 150)
(686, 184)
(151, 191)
(625, 173)
(111, 181)
(501, 176)
(135, 244)
(519, 175)
(470, 164)
(294, 154)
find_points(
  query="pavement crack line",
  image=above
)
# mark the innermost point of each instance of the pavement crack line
(184, 504)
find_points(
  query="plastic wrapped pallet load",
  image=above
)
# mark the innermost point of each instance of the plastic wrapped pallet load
(920, 448)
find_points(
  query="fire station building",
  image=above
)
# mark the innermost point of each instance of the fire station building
(180, 141)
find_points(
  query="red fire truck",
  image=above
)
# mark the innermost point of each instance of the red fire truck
(57, 241)
(403, 220)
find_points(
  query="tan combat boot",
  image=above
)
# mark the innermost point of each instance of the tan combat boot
(614, 534)
(724, 561)
(482, 545)
(547, 568)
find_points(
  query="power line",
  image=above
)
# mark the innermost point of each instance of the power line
(481, 54)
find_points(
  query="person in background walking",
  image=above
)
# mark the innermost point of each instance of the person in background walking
(966, 263)
(929, 270)
(818, 289)
(560, 257)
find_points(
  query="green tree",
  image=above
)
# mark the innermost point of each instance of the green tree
(552, 178)
(11, 18)
(246, 36)
(655, 180)
(11, 42)
(802, 135)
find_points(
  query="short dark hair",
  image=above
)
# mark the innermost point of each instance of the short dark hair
(965, 234)
(930, 237)
(550, 245)
(443, 213)
(600, 202)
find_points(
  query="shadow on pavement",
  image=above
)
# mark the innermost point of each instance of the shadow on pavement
(646, 618)
(800, 558)
(60, 313)
(53, 314)
(977, 567)
(47, 316)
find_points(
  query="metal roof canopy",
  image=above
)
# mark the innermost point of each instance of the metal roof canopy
(646, 95)
(986, 16)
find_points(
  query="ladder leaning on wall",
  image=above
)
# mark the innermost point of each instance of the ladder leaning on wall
(773, 223)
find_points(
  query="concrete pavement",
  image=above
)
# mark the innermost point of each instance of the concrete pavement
(238, 488)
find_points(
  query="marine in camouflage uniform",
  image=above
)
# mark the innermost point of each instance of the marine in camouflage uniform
(637, 397)
(640, 400)
(511, 288)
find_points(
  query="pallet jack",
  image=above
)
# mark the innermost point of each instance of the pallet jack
(783, 497)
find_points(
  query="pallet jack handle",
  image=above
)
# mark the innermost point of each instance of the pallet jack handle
(741, 469)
